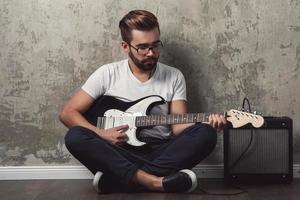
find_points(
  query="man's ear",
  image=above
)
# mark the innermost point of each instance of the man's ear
(125, 47)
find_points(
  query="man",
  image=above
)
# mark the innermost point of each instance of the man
(164, 163)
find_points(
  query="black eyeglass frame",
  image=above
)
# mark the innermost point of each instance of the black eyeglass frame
(147, 48)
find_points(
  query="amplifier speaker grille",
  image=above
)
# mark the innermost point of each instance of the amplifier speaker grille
(254, 153)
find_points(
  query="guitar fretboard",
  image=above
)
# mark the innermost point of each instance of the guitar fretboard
(154, 120)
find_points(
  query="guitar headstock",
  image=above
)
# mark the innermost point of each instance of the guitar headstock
(239, 119)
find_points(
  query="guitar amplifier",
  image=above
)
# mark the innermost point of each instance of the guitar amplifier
(259, 155)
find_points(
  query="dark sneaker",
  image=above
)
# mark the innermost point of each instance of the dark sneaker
(183, 181)
(109, 183)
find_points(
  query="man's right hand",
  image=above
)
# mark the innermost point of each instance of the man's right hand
(114, 135)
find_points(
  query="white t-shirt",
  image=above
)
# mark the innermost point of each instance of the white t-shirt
(116, 79)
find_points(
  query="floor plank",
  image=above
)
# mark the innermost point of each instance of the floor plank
(83, 190)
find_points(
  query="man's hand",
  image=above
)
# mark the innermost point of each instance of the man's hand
(114, 135)
(217, 121)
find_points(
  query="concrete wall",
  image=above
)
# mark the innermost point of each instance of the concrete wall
(227, 49)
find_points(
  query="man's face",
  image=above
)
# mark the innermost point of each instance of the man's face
(142, 40)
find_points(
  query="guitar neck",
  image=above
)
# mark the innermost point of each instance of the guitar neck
(155, 120)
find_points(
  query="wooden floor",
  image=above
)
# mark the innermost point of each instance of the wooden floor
(82, 189)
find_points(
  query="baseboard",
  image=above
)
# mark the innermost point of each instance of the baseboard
(80, 172)
(44, 172)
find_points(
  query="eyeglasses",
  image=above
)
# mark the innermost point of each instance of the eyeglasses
(144, 49)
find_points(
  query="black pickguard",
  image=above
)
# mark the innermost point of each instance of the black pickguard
(104, 103)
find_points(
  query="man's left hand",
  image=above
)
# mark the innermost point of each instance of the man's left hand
(217, 121)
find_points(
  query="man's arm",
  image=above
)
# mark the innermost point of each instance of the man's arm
(179, 107)
(71, 115)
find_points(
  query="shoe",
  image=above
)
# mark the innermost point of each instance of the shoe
(184, 181)
(96, 182)
(109, 183)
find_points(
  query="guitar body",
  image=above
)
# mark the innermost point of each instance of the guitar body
(108, 112)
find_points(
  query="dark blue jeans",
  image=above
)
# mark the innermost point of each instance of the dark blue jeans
(160, 159)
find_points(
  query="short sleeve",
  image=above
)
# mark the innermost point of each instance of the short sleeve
(97, 83)
(179, 87)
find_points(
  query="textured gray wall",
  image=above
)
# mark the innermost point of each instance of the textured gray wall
(227, 49)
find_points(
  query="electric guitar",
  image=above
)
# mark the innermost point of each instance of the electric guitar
(108, 112)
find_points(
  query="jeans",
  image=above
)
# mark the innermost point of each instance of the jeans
(122, 162)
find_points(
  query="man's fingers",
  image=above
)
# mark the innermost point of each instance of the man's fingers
(121, 139)
(223, 120)
(210, 120)
(122, 136)
(217, 121)
(122, 128)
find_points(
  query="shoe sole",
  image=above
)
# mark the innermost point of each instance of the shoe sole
(96, 180)
(193, 176)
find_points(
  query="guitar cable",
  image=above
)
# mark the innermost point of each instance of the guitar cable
(242, 155)
(206, 192)
(251, 137)
(242, 190)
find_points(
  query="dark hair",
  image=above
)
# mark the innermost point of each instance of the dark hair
(137, 19)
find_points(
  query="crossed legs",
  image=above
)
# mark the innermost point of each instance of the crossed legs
(144, 166)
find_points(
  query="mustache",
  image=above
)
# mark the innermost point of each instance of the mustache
(152, 59)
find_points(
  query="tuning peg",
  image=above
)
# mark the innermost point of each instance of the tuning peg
(257, 113)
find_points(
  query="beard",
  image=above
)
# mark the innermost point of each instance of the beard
(147, 64)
